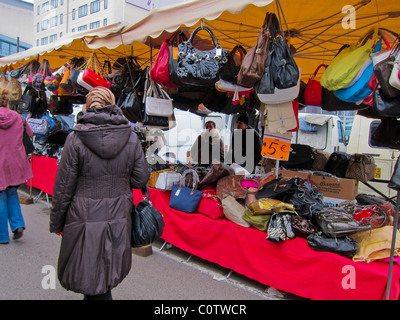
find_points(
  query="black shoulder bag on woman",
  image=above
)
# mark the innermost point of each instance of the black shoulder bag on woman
(147, 222)
(27, 141)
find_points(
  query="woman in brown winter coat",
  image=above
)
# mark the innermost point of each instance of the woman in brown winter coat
(101, 162)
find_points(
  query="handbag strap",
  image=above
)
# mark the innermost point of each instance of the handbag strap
(195, 179)
(238, 48)
(316, 70)
(213, 37)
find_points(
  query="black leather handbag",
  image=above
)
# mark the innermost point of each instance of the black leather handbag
(131, 99)
(231, 69)
(27, 141)
(385, 107)
(200, 68)
(337, 164)
(387, 133)
(344, 246)
(284, 69)
(147, 222)
(27, 100)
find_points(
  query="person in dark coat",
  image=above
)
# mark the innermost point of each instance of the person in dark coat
(101, 162)
(246, 145)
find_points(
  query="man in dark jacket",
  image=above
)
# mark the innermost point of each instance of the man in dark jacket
(101, 162)
(246, 145)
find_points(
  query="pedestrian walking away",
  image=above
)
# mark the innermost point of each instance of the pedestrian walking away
(14, 168)
(101, 162)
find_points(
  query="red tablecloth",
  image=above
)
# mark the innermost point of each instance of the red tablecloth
(291, 266)
(44, 173)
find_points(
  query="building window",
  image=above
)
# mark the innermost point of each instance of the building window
(38, 9)
(45, 7)
(95, 6)
(73, 30)
(61, 18)
(44, 41)
(61, 34)
(105, 22)
(61, 2)
(105, 4)
(82, 11)
(73, 14)
(37, 42)
(82, 28)
(45, 24)
(95, 25)
(53, 37)
(53, 4)
(53, 22)
(37, 27)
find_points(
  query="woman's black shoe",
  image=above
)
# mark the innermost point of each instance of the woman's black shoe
(18, 233)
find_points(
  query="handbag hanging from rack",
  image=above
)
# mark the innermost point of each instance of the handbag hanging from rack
(383, 71)
(93, 75)
(39, 77)
(200, 68)
(313, 91)
(253, 64)
(151, 106)
(159, 72)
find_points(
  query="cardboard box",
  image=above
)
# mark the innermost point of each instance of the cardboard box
(292, 174)
(338, 188)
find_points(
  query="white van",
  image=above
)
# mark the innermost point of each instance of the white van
(180, 139)
(321, 131)
(385, 158)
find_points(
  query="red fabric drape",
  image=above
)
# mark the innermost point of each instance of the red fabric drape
(291, 266)
(44, 173)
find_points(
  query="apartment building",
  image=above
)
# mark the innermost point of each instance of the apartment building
(16, 19)
(53, 19)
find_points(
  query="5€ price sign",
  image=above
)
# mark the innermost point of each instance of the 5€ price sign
(276, 149)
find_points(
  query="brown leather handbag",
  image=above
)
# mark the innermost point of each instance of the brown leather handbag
(253, 64)
(361, 167)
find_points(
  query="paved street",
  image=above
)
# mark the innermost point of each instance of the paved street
(163, 275)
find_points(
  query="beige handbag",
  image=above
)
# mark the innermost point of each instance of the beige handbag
(375, 244)
(234, 211)
(167, 179)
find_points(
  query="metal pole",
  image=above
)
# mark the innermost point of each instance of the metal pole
(396, 218)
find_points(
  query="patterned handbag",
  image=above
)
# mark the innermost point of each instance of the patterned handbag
(361, 167)
(41, 126)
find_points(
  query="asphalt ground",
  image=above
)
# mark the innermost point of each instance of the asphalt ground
(28, 266)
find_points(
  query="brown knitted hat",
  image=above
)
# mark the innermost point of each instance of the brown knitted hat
(99, 97)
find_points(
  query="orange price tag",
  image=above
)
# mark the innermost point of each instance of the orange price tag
(276, 149)
(175, 51)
